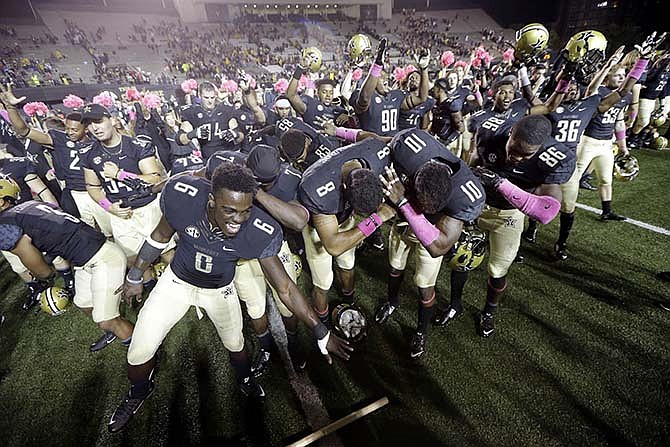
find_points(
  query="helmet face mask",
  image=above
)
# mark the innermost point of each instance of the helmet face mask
(468, 253)
(586, 48)
(626, 168)
(314, 57)
(9, 188)
(349, 322)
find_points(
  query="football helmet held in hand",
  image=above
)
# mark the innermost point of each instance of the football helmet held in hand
(8, 187)
(468, 253)
(626, 168)
(359, 49)
(587, 49)
(313, 57)
(531, 40)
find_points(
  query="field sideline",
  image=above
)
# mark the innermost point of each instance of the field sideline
(580, 356)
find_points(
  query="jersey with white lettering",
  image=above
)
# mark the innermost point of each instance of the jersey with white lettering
(67, 157)
(8, 137)
(215, 122)
(219, 157)
(321, 145)
(316, 111)
(18, 168)
(602, 125)
(569, 120)
(492, 129)
(127, 156)
(409, 119)
(189, 163)
(205, 257)
(321, 189)
(382, 115)
(553, 163)
(413, 148)
(656, 84)
(52, 231)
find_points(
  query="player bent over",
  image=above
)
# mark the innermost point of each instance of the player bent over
(32, 228)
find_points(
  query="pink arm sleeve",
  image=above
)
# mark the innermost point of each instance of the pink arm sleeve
(540, 208)
(425, 231)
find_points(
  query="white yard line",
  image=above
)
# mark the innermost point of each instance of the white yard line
(644, 225)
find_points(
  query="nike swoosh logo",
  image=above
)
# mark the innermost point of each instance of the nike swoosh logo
(122, 157)
(517, 172)
(227, 249)
(514, 115)
(581, 110)
(546, 207)
(516, 198)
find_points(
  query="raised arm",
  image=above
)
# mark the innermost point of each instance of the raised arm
(370, 85)
(20, 127)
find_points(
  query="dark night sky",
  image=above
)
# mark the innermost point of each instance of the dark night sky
(504, 11)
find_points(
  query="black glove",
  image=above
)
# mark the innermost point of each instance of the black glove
(381, 51)
(229, 135)
(139, 115)
(488, 178)
(141, 190)
(570, 68)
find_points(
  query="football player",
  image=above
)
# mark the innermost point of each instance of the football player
(656, 86)
(435, 193)
(415, 117)
(314, 110)
(277, 195)
(215, 126)
(515, 169)
(334, 190)
(68, 149)
(376, 105)
(118, 169)
(32, 228)
(217, 225)
(447, 114)
(302, 145)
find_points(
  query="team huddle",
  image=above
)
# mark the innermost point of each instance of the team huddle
(206, 204)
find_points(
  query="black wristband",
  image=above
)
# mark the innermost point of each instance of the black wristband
(320, 331)
(298, 72)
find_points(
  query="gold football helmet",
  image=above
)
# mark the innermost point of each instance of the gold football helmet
(313, 57)
(531, 40)
(54, 300)
(660, 143)
(8, 187)
(626, 168)
(359, 49)
(468, 253)
(658, 119)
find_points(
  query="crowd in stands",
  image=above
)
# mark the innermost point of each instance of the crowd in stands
(250, 43)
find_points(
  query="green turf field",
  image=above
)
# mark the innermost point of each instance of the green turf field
(580, 357)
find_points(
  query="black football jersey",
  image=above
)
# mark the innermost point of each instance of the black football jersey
(216, 121)
(492, 129)
(569, 120)
(321, 145)
(8, 137)
(412, 148)
(52, 231)
(219, 157)
(320, 189)
(409, 119)
(442, 111)
(18, 168)
(205, 257)
(382, 115)
(656, 84)
(601, 126)
(554, 163)
(189, 163)
(317, 111)
(67, 157)
(127, 156)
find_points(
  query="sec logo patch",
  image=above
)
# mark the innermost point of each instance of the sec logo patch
(70, 144)
(192, 231)
(319, 108)
(378, 100)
